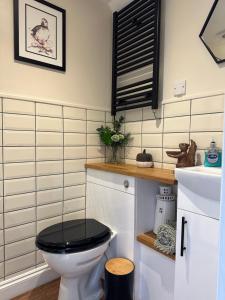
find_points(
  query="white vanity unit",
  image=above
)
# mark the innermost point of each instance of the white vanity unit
(197, 233)
(124, 198)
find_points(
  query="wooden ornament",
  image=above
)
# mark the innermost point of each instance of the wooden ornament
(186, 155)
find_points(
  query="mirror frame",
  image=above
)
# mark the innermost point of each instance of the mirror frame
(218, 61)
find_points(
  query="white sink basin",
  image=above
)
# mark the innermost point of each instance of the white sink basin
(206, 170)
(205, 182)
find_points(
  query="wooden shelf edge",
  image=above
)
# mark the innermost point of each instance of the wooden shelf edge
(156, 174)
(148, 239)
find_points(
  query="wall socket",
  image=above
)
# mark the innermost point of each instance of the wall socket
(179, 88)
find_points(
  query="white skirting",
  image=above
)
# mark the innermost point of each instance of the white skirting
(23, 283)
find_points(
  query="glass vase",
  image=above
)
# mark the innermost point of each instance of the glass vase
(114, 155)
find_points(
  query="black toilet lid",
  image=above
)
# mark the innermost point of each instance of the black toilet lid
(73, 236)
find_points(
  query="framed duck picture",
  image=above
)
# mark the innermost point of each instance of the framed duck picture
(40, 33)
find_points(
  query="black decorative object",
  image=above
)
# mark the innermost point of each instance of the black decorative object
(40, 33)
(144, 160)
(136, 44)
(143, 157)
(213, 32)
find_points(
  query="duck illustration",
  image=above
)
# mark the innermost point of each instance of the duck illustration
(41, 35)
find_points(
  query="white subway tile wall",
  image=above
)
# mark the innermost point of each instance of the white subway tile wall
(43, 151)
(173, 123)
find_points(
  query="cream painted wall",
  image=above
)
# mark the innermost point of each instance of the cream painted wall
(87, 80)
(118, 4)
(184, 55)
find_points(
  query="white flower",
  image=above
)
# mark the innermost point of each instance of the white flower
(121, 136)
(115, 138)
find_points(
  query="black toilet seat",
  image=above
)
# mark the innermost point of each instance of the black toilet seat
(73, 236)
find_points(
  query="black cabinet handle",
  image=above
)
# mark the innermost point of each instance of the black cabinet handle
(182, 249)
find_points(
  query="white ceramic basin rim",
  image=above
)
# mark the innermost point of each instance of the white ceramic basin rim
(203, 181)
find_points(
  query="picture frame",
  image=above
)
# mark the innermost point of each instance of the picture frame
(40, 33)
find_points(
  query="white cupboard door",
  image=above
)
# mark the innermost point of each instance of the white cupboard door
(116, 210)
(196, 270)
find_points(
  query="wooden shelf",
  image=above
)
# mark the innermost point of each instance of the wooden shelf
(148, 239)
(155, 174)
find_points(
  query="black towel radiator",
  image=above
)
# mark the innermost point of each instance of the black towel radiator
(136, 44)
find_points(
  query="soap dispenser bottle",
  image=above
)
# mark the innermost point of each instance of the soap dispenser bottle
(213, 156)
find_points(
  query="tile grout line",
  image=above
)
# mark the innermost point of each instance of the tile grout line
(35, 166)
(163, 129)
(63, 124)
(142, 116)
(86, 114)
(3, 190)
(190, 122)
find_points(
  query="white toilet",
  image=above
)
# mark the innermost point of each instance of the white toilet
(74, 249)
